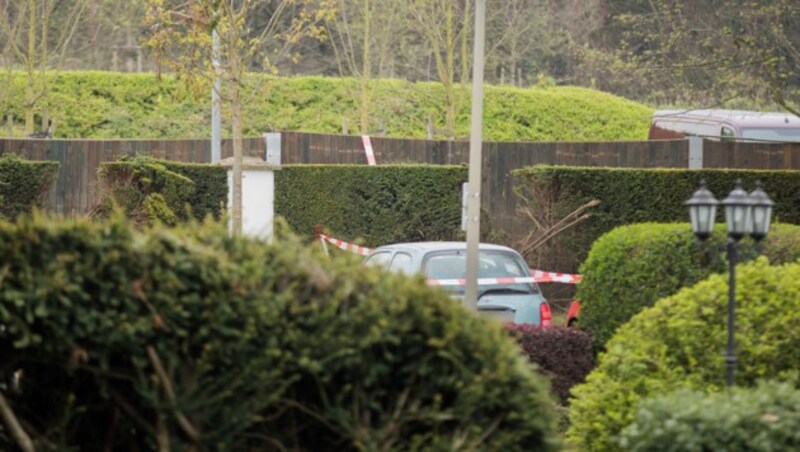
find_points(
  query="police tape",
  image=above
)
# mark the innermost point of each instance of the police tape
(362, 250)
(537, 276)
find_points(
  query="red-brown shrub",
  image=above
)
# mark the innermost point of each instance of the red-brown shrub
(564, 355)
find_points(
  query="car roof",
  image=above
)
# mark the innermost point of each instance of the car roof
(443, 246)
(740, 118)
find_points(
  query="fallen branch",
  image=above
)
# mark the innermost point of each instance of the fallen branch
(17, 432)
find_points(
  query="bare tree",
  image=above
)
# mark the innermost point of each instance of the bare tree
(35, 44)
(180, 35)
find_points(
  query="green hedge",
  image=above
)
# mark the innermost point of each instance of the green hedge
(24, 184)
(188, 339)
(631, 267)
(630, 196)
(762, 419)
(117, 105)
(379, 204)
(148, 189)
(680, 343)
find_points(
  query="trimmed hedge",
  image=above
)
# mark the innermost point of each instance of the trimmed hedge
(630, 196)
(151, 189)
(680, 342)
(564, 355)
(379, 204)
(24, 184)
(761, 419)
(631, 267)
(116, 105)
(187, 338)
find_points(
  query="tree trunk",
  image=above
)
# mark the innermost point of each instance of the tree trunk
(365, 72)
(30, 68)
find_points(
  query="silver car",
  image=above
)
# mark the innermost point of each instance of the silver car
(505, 285)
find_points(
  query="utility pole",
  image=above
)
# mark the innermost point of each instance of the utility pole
(216, 114)
(475, 159)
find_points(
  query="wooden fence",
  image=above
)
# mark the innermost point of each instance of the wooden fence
(74, 190)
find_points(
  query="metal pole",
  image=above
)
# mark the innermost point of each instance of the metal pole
(730, 357)
(216, 114)
(475, 159)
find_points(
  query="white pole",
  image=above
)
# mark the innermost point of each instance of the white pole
(216, 114)
(475, 143)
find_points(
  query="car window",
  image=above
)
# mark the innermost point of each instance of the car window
(378, 259)
(401, 263)
(491, 264)
(727, 134)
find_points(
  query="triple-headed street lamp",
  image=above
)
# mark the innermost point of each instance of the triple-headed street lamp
(745, 214)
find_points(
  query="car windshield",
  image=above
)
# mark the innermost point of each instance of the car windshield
(449, 265)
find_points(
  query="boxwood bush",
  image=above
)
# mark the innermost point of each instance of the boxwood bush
(635, 195)
(150, 189)
(186, 338)
(380, 204)
(680, 342)
(24, 184)
(631, 267)
(761, 419)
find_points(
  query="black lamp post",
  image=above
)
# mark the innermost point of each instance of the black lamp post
(745, 214)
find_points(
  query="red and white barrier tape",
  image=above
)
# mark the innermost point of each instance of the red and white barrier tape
(537, 276)
(565, 278)
(362, 250)
(368, 149)
(481, 281)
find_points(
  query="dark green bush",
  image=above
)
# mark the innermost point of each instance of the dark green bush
(631, 267)
(629, 196)
(187, 338)
(761, 419)
(680, 342)
(564, 355)
(380, 204)
(24, 184)
(149, 189)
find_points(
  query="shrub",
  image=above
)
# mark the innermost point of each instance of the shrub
(632, 195)
(149, 189)
(679, 343)
(563, 355)
(631, 267)
(189, 339)
(762, 419)
(24, 184)
(381, 204)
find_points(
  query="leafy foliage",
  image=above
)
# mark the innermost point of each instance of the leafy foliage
(112, 105)
(189, 338)
(632, 267)
(380, 204)
(24, 184)
(679, 343)
(760, 419)
(562, 354)
(630, 195)
(150, 190)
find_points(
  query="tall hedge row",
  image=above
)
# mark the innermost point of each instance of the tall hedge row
(379, 204)
(188, 339)
(89, 104)
(630, 196)
(679, 343)
(631, 267)
(24, 184)
(148, 189)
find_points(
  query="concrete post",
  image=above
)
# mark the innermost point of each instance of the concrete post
(258, 196)
(695, 152)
